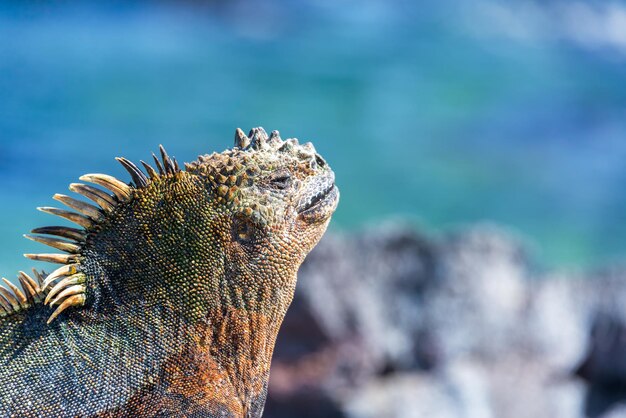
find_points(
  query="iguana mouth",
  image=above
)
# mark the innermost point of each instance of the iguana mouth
(318, 198)
(322, 204)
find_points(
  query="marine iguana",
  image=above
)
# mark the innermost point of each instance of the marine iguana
(170, 295)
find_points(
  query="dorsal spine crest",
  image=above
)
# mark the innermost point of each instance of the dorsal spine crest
(66, 286)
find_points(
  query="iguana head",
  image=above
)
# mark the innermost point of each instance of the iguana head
(273, 200)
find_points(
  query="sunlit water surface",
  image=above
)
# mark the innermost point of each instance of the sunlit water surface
(422, 112)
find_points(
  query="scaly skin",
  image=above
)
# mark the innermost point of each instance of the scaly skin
(180, 289)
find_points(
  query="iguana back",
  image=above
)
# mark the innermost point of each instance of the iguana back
(168, 299)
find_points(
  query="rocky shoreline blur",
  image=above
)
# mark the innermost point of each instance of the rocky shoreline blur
(390, 323)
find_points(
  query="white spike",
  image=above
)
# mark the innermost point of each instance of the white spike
(121, 190)
(75, 279)
(66, 270)
(70, 291)
(76, 300)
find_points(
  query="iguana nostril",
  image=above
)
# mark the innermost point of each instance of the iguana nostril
(320, 161)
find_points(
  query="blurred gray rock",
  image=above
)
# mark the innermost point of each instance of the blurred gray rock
(388, 322)
(368, 290)
(418, 395)
(482, 295)
(619, 412)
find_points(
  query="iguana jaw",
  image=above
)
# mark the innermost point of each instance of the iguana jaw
(320, 201)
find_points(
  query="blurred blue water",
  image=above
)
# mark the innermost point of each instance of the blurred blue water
(441, 112)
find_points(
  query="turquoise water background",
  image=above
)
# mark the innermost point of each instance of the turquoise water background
(440, 112)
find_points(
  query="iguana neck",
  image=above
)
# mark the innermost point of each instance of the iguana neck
(234, 348)
(221, 361)
(225, 325)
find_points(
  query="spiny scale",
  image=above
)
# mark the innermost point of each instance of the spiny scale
(138, 176)
(150, 170)
(5, 307)
(86, 209)
(158, 164)
(31, 287)
(170, 164)
(79, 219)
(21, 298)
(63, 232)
(66, 270)
(241, 139)
(76, 300)
(65, 283)
(52, 258)
(121, 190)
(59, 244)
(40, 276)
(66, 286)
(15, 299)
(69, 291)
(10, 298)
(105, 200)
